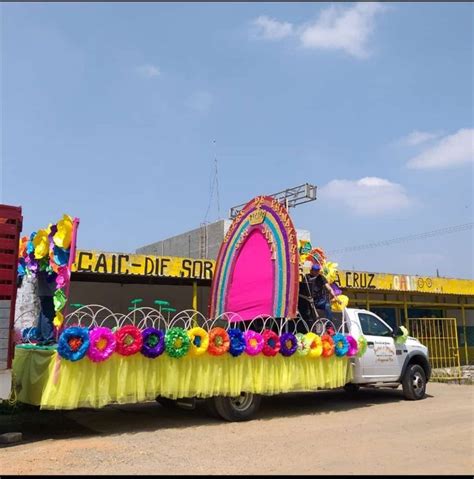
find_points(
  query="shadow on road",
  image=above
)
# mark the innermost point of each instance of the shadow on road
(36, 425)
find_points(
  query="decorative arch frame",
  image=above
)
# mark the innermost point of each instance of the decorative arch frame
(272, 219)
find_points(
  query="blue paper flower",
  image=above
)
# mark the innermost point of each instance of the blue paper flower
(21, 267)
(73, 343)
(61, 256)
(341, 345)
(237, 342)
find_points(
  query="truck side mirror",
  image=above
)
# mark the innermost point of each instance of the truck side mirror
(398, 332)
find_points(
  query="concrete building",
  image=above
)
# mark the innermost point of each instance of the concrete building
(202, 242)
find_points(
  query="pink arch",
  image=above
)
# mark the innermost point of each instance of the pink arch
(251, 284)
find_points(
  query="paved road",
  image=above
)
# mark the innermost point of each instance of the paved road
(326, 432)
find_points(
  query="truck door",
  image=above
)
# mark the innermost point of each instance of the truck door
(380, 362)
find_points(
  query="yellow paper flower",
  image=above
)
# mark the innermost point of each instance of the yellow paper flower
(58, 319)
(330, 271)
(338, 307)
(199, 339)
(63, 236)
(41, 244)
(316, 345)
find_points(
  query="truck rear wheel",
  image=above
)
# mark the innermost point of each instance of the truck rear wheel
(239, 408)
(352, 389)
(414, 382)
(166, 402)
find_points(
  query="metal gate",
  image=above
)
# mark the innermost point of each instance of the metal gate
(440, 335)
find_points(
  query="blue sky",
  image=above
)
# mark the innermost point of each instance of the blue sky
(109, 112)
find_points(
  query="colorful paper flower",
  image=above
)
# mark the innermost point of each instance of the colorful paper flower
(352, 351)
(21, 267)
(176, 342)
(102, 344)
(328, 345)
(219, 341)
(153, 342)
(22, 247)
(315, 345)
(129, 340)
(58, 319)
(304, 345)
(271, 343)
(237, 342)
(253, 342)
(402, 339)
(62, 277)
(59, 300)
(41, 244)
(199, 341)
(73, 343)
(341, 305)
(63, 236)
(288, 344)
(341, 346)
(361, 346)
(61, 256)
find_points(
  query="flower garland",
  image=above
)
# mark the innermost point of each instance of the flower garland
(315, 345)
(129, 340)
(361, 346)
(177, 342)
(219, 341)
(102, 344)
(304, 344)
(73, 343)
(341, 346)
(403, 338)
(237, 342)
(199, 341)
(288, 344)
(352, 350)
(153, 343)
(271, 343)
(328, 345)
(253, 342)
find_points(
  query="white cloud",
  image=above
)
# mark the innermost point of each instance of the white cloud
(270, 29)
(450, 151)
(148, 71)
(339, 28)
(418, 137)
(367, 196)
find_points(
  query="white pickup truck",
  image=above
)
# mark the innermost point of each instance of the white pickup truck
(386, 363)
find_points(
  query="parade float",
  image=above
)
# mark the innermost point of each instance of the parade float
(253, 341)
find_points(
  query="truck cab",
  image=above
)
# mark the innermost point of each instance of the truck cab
(387, 362)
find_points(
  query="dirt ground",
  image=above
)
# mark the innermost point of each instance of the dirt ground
(325, 432)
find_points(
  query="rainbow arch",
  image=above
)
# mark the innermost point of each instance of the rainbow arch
(266, 216)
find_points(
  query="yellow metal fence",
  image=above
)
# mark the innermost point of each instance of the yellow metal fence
(440, 335)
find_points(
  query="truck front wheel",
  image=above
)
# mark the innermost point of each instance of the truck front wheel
(414, 382)
(240, 408)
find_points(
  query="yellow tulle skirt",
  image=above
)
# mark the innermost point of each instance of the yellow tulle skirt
(43, 378)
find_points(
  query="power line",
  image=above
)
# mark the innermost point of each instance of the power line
(402, 239)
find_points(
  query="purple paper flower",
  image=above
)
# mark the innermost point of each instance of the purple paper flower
(153, 342)
(288, 344)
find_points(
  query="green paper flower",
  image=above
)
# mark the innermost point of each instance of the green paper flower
(362, 346)
(177, 342)
(59, 300)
